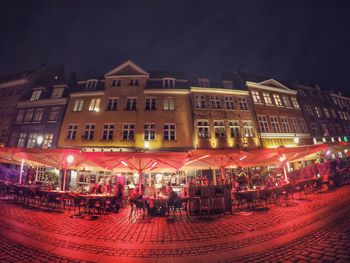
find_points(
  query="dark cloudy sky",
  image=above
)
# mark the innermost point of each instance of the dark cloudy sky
(308, 40)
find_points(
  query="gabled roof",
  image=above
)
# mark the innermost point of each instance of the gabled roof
(273, 83)
(128, 68)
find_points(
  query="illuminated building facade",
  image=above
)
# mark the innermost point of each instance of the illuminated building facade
(129, 109)
(279, 118)
(222, 117)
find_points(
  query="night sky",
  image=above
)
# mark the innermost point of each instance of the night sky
(306, 40)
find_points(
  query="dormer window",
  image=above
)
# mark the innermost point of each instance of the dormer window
(57, 93)
(133, 82)
(36, 95)
(227, 84)
(116, 83)
(203, 83)
(91, 85)
(168, 83)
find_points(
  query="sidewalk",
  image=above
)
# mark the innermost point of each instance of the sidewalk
(317, 229)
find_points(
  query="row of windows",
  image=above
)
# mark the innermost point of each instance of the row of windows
(285, 101)
(31, 140)
(219, 127)
(130, 104)
(128, 131)
(36, 115)
(56, 93)
(324, 112)
(217, 102)
(281, 124)
(341, 103)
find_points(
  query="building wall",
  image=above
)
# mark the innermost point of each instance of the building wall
(224, 114)
(281, 130)
(181, 116)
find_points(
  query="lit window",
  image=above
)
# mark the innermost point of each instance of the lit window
(168, 83)
(256, 97)
(91, 85)
(20, 116)
(31, 140)
(54, 114)
(78, 105)
(29, 115)
(275, 124)
(340, 115)
(203, 83)
(72, 131)
(38, 115)
(326, 113)
(234, 129)
(131, 103)
(263, 124)
(128, 131)
(89, 132)
(294, 125)
(295, 103)
(48, 138)
(302, 124)
(200, 102)
(133, 82)
(21, 140)
(203, 129)
(94, 105)
(267, 98)
(243, 105)
(35, 95)
(318, 111)
(150, 103)
(112, 104)
(57, 93)
(286, 101)
(215, 102)
(229, 103)
(169, 132)
(116, 83)
(219, 129)
(108, 131)
(149, 132)
(169, 103)
(277, 99)
(248, 129)
(285, 124)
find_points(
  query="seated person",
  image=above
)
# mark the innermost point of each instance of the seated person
(173, 196)
(104, 188)
(93, 187)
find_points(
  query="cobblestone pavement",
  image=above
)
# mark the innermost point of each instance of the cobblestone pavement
(316, 229)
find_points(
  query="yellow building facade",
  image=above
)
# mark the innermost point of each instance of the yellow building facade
(127, 110)
(222, 119)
